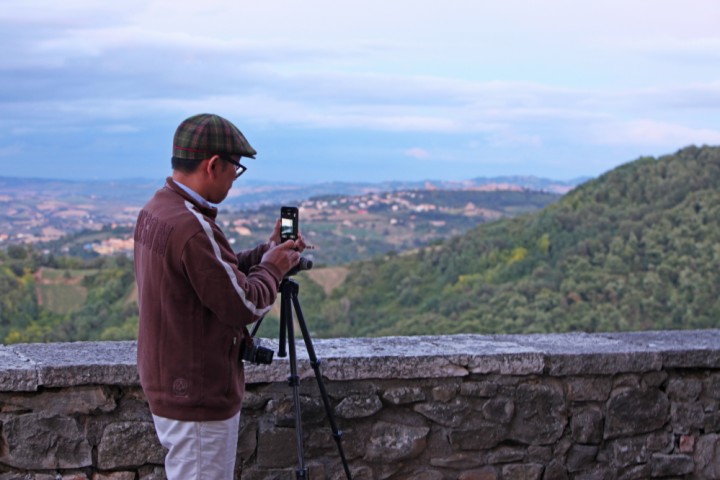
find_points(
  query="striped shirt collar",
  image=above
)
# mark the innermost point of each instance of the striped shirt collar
(195, 196)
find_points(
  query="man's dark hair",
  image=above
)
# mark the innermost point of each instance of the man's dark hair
(185, 165)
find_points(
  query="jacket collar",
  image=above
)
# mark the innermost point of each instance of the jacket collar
(203, 207)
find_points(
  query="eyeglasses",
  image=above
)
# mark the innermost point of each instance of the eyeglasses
(239, 168)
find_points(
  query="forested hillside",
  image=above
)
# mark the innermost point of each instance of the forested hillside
(637, 248)
(48, 299)
(70, 293)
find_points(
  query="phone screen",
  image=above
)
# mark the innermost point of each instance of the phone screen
(288, 223)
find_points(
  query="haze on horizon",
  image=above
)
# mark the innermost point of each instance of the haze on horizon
(365, 91)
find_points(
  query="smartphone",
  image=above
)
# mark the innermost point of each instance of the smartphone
(288, 223)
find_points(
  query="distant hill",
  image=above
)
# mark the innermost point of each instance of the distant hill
(637, 248)
(255, 194)
(64, 290)
(351, 228)
(86, 218)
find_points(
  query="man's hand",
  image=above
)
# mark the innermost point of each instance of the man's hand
(300, 244)
(284, 256)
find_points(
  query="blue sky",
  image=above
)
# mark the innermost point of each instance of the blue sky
(370, 91)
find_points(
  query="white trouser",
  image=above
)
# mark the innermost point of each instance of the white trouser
(199, 450)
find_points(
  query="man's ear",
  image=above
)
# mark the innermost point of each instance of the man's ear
(212, 167)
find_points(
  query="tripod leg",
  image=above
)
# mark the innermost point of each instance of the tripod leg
(315, 363)
(294, 381)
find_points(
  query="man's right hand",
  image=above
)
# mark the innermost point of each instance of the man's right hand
(283, 256)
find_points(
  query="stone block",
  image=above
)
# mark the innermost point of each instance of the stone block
(654, 379)
(540, 414)
(390, 442)
(623, 452)
(605, 363)
(73, 476)
(359, 472)
(663, 465)
(707, 456)
(152, 473)
(422, 474)
(247, 440)
(555, 470)
(276, 448)
(508, 364)
(588, 389)
(660, 442)
(39, 441)
(19, 373)
(686, 444)
(444, 393)
(114, 476)
(403, 395)
(499, 410)
(711, 424)
(506, 455)
(485, 473)
(458, 461)
(580, 457)
(269, 474)
(635, 472)
(636, 411)
(311, 410)
(482, 436)
(684, 389)
(113, 451)
(539, 454)
(340, 390)
(83, 363)
(596, 473)
(711, 386)
(358, 406)
(687, 417)
(66, 401)
(452, 414)
(526, 471)
(254, 401)
(479, 389)
(586, 425)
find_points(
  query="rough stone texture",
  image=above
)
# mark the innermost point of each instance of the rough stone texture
(707, 456)
(568, 407)
(540, 414)
(403, 396)
(586, 425)
(19, 372)
(636, 411)
(359, 406)
(393, 442)
(68, 401)
(113, 452)
(39, 441)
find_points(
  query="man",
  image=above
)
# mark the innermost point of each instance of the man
(196, 297)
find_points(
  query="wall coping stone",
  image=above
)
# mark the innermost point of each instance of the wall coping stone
(27, 367)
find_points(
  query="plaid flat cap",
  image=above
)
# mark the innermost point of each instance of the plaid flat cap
(204, 135)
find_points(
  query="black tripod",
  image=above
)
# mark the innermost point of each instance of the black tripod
(289, 291)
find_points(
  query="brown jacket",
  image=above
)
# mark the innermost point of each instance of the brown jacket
(195, 296)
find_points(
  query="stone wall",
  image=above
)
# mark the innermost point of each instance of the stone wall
(469, 407)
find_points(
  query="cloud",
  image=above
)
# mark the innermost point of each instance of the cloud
(417, 152)
(536, 79)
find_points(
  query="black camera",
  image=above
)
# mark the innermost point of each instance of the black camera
(251, 351)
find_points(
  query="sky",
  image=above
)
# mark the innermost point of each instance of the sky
(377, 90)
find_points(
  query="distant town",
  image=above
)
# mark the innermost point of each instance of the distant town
(44, 213)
